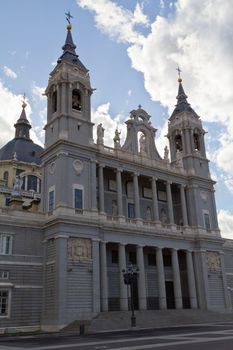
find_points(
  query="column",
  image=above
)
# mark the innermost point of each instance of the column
(224, 281)
(187, 141)
(183, 205)
(59, 98)
(169, 202)
(155, 199)
(96, 275)
(176, 279)
(161, 278)
(123, 287)
(103, 277)
(141, 279)
(93, 185)
(191, 280)
(63, 98)
(61, 278)
(101, 188)
(136, 196)
(119, 192)
(201, 268)
(70, 90)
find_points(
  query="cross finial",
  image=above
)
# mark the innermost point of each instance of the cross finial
(139, 106)
(179, 71)
(68, 16)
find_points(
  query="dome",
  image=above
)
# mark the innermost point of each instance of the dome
(24, 150)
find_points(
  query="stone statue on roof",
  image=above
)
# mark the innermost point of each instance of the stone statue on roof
(100, 134)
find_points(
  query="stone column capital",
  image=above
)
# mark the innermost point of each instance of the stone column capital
(183, 186)
(101, 165)
(169, 182)
(153, 178)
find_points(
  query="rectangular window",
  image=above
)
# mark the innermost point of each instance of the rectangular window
(207, 221)
(4, 275)
(78, 198)
(131, 211)
(5, 244)
(112, 186)
(51, 200)
(4, 302)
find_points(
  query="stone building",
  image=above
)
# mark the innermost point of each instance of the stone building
(75, 214)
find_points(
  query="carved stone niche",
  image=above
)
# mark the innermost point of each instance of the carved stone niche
(79, 249)
(213, 260)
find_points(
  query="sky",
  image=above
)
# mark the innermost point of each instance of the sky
(132, 49)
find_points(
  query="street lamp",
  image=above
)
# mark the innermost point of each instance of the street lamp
(130, 276)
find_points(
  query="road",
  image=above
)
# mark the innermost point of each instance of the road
(200, 337)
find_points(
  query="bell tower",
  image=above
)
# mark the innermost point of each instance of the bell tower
(69, 93)
(186, 137)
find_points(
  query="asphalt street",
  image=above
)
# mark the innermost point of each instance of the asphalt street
(214, 337)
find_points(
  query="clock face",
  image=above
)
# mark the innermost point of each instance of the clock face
(213, 260)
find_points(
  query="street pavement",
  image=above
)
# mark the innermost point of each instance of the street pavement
(193, 337)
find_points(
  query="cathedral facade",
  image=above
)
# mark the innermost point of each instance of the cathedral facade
(77, 213)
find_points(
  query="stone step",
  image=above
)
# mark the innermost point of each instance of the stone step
(120, 320)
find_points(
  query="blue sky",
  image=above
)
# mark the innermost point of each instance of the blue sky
(132, 49)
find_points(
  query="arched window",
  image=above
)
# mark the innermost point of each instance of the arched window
(6, 177)
(54, 101)
(76, 100)
(178, 143)
(196, 141)
(31, 183)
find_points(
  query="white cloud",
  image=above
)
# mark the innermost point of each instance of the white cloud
(10, 111)
(102, 115)
(119, 23)
(225, 219)
(38, 91)
(197, 36)
(9, 72)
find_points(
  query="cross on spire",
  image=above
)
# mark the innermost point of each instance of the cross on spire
(68, 16)
(179, 71)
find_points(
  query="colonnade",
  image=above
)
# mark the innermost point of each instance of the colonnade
(136, 196)
(142, 288)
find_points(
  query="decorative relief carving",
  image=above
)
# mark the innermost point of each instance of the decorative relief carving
(79, 249)
(78, 166)
(52, 168)
(204, 195)
(213, 259)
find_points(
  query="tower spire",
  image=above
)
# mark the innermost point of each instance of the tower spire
(69, 53)
(22, 126)
(182, 103)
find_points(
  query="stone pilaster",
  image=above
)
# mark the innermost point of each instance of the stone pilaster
(155, 199)
(119, 192)
(101, 188)
(169, 202)
(183, 205)
(136, 196)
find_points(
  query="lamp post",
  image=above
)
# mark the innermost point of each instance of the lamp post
(130, 276)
